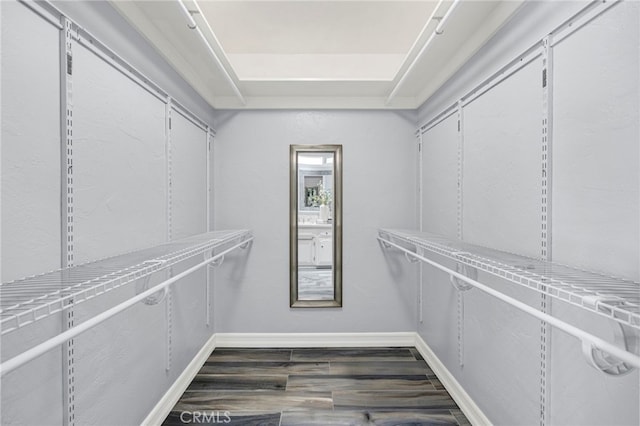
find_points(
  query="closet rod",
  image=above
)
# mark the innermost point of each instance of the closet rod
(47, 345)
(583, 336)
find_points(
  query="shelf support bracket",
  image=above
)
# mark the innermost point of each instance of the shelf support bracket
(215, 263)
(383, 237)
(624, 337)
(410, 259)
(143, 285)
(467, 271)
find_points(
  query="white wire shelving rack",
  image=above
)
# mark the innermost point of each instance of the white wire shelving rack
(28, 300)
(31, 299)
(617, 299)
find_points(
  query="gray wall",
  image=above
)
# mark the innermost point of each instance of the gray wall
(251, 176)
(121, 171)
(594, 209)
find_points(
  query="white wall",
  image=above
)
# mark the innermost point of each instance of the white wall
(594, 209)
(30, 143)
(596, 197)
(31, 241)
(252, 190)
(121, 174)
(188, 163)
(119, 162)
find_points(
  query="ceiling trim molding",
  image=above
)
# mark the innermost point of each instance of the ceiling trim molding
(313, 79)
(439, 22)
(194, 25)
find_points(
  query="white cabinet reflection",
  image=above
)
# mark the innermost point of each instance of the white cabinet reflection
(315, 259)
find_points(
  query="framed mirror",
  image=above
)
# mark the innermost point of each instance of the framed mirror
(315, 226)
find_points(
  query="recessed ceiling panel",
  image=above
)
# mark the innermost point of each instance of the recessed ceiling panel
(317, 27)
(322, 67)
(284, 53)
(323, 40)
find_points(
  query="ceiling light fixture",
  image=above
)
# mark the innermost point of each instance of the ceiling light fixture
(194, 26)
(438, 31)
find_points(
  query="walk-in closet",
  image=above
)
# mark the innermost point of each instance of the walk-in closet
(320, 212)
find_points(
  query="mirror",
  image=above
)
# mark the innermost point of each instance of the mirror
(315, 223)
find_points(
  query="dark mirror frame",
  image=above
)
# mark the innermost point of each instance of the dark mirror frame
(294, 301)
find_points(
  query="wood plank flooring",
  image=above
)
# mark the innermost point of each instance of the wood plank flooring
(316, 386)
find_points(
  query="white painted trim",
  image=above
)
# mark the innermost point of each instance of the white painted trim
(173, 394)
(306, 340)
(460, 396)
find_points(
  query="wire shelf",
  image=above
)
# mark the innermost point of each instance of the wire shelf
(30, 299)
(614, 298)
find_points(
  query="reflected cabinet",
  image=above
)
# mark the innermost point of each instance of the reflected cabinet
(315, 224)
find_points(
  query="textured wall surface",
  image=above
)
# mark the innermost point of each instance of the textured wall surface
(596, 204)
(501, 165)
(189, 177)
(30, 194)
(439, 182)
(252, 190)
(30, 144)
(594, 207)
(119, 162)
(596, 145)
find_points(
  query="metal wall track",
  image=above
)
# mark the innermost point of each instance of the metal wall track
(67, 212)
(545, 221)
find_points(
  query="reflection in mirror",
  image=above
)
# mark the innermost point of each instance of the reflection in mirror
(315, 225)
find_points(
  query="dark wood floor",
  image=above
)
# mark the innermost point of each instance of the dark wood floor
(316, 386)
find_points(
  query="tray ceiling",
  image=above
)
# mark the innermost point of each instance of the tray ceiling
(313, 53)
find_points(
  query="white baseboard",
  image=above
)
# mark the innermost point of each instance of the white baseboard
(457, 392)
(307, 340)
(173, 394)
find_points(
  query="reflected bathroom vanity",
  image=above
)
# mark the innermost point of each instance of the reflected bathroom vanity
(315, 242)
